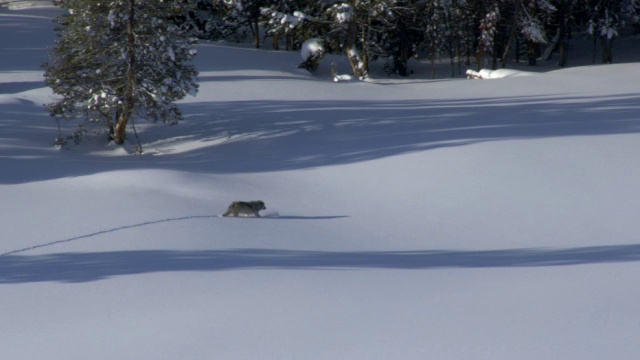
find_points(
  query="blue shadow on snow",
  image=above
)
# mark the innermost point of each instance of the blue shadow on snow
(84, 267)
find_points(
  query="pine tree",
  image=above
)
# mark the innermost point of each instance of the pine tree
(346, 26)
(434, 41)
(632, 10)
(534, 15)
(117, 59)
(461, 33)
(488, 30)
(281, 21)
(246, 13)
(604, 24)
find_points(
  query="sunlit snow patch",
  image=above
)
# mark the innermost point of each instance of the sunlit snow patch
(496, 74)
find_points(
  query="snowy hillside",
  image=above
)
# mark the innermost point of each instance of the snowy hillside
(406, 219)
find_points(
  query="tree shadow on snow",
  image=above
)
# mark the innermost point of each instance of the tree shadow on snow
(254, 136)
(84, 267)
(265, 136)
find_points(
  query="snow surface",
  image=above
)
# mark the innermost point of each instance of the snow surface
(496, 74)
(408, 219)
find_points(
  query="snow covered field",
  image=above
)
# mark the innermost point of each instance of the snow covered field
(406, 219)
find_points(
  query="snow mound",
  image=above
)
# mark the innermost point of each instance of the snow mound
(311, 47)
(496, 74)
(342, 78)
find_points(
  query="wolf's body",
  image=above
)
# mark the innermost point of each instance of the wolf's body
(245, 208)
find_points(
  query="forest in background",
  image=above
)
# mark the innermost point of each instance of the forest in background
(114, 59)
(484, 33)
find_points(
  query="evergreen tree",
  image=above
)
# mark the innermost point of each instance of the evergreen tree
(206, 20)
(632, 10)
(562, 21)
(461, 30)
(434, 42)
(246, 14)
(115, 59)
(346, 22)
(534, 15)
(397, 30)
(604, 24)
(488, 31)
(281, 21)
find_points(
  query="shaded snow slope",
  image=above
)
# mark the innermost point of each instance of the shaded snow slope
(416, 219)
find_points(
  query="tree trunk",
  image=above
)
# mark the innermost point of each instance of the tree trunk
(254, 23)
(352, 51)
(562, 51)
(124, 114)
(532, 53)
(513, 34)
(452, 59)
(119, 132)
(562, 31)
(480, 58)
(256, 33)
(595, 46)
(607, 50)
(366, 35)
(433, 67)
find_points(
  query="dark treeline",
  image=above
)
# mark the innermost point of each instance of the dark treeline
(486, 33)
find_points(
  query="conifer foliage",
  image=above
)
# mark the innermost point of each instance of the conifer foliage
(118, 59)
(491, 32)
